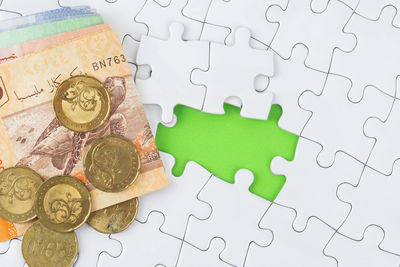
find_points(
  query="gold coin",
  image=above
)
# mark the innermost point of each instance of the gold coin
(116, 218)
(82, 103)
(18, 186)
(44, 247)
(63, 203)
(111, 163)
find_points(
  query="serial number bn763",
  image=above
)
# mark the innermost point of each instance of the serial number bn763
(108, 62)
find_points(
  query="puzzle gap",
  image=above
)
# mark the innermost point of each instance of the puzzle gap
(223, 144)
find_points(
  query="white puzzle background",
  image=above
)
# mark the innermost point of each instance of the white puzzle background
(332, 65)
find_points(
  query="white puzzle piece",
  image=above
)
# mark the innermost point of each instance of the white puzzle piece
(92, 244)
(320, 32)
(28, 7)
(364, 67)
(172, 62)
(374, 201)
(158, 18)
(191, 256)
(13, 257)
(178, 200)
(8, 14)
(143, 244)
(310, 188)
(4, 246)
(365, 252)
(196, 10)
(291, 248)
(232, 72)
(386, 150)
(337, 124)
(120, 14)
(233, 15)
(234, 205)
(372, 9)
(291, 78)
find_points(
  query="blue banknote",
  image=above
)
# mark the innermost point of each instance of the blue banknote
(46, 17)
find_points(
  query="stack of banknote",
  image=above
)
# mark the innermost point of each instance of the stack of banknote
(71, 54)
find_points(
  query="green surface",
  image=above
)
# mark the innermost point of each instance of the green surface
(223, 144)
(22, 35)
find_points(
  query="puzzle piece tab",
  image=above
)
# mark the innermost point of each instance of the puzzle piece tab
(237, 207)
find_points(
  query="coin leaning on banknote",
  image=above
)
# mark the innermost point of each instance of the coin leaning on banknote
(111, 163)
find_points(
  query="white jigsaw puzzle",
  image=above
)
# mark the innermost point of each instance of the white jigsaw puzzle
(333, 112)
(233, 208)
(194, 257)
(165, 16)
(288, 247)
(374, 201)
(365, 252)
(232, 72)
(233, 15)
(179, 200)
(144, 244)
(160, 54)
(303, 172)
(92, 244)
(320, 32)
(365, 68)
(291, 78)
(385, 151)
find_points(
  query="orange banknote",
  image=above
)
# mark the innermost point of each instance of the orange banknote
(31, 136)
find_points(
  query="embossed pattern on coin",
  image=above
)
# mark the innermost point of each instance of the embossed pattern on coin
(44, 247)
(82, 103)
(116, 218)
(63, 203)
(18, 186)
(111, 163)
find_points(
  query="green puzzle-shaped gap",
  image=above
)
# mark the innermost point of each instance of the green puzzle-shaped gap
(223, 144)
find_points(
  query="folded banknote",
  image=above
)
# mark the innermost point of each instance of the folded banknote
(30, 135)
(19, 50)
(46, 17)
(22, 35)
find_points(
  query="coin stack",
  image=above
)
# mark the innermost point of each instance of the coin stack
(62, 204)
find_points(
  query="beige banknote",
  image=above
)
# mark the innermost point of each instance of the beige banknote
(31, 136)
(19, 50)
